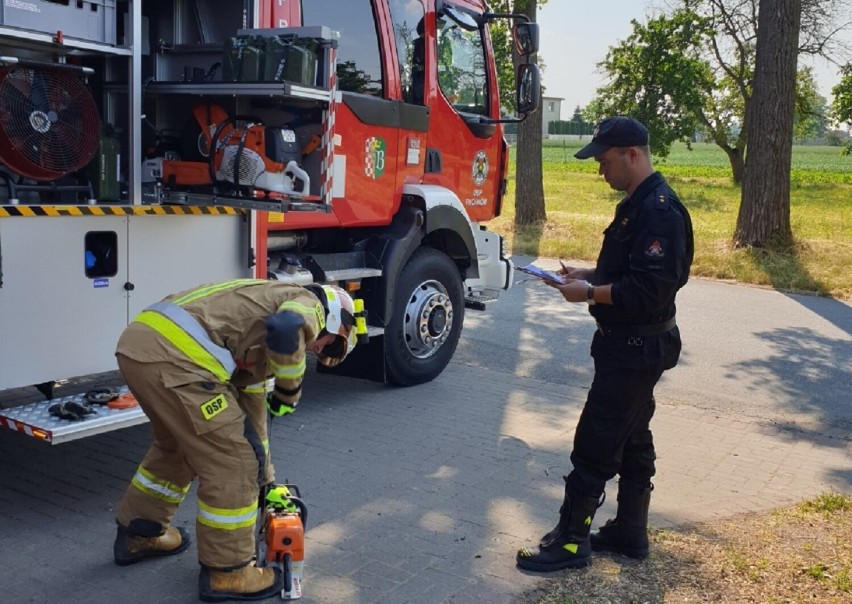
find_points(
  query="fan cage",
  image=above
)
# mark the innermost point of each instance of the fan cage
(49, 122)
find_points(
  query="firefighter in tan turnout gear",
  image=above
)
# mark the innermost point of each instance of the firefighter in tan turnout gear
(198, 363)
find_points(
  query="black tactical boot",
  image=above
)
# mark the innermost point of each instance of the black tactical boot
(567, 545)
(627, 533)
(145, 539)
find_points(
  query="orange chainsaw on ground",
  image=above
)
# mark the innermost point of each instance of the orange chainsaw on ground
(242, 152)
(281, 538)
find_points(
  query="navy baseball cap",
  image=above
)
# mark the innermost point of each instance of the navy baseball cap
(618, 131)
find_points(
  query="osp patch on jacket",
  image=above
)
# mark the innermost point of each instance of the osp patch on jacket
(214, 406)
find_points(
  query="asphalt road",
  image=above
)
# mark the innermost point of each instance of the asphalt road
(422, 495)
(747, 351)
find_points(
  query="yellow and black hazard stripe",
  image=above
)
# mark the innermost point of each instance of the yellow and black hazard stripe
(10, 211)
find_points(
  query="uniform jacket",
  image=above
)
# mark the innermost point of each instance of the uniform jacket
(646, 255)
(263, 325)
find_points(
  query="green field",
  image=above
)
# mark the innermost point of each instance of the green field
(580, 205)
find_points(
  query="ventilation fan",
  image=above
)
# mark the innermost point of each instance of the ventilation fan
(49, 122)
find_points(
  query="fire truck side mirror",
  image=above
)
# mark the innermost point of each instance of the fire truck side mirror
(526, 38)
(528, 96)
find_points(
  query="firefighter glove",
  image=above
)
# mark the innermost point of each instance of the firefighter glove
(102, 395)
(70, 410)
(277, 407)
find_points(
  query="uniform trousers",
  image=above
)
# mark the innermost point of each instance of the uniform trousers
(228, 459)
(613, 435)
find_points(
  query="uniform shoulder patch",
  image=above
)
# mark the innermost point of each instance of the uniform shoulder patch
(656, 248)
(660, 200)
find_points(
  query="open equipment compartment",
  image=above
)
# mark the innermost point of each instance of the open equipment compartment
(61, 128)
(242, 117)
(80, 254)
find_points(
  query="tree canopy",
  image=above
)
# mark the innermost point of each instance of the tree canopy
(811, 118)
(658, 77)
(690, 71)
(841, 107)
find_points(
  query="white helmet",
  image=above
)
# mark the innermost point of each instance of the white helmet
(339, 320)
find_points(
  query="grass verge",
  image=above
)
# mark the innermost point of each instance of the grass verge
(580, 205)
(801, 553)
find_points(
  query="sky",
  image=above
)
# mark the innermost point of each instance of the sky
(576, 34)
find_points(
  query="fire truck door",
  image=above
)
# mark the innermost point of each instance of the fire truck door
(464, 150)
(367, 119)
(408, 18)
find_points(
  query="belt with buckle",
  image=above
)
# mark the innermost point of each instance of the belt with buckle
(651, 329)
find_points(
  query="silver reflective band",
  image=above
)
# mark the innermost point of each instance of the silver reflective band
(187, 322)
(165, 492)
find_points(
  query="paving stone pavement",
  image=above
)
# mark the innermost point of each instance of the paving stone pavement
(417, 495)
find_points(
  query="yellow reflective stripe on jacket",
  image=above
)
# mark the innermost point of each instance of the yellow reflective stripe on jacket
(158, 489)
(296, 306)
(313, 312)
(187, 335)
(288, 372)
(258, 388)
(203, 292)
(229, 519)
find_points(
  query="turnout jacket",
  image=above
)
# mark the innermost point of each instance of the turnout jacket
(238, 332)
(646, 255)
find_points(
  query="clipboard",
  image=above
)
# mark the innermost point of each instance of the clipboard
(540, 273)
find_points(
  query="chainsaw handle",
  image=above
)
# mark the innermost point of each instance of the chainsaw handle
(288, 574)
(295, 173)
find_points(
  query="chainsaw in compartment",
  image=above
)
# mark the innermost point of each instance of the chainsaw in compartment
(242, 152)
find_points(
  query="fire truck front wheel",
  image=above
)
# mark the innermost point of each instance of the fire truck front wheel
(427, 319)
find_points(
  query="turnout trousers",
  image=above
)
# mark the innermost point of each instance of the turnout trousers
(613, 434)
(229, 457)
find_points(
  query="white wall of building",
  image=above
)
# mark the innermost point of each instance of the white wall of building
(551, 107)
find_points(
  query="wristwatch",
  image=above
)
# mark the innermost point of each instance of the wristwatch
(590, 295)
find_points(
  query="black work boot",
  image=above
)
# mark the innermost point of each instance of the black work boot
(567, 545)
(146, 539)
(627, 533)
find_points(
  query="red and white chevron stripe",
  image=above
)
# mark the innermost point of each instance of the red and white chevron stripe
(328, 131)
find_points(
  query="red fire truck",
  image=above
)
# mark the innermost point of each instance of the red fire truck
(148, 146)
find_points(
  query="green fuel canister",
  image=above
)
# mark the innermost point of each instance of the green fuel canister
(106, 167)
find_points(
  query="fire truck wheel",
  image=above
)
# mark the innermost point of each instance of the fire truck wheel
(428, 314)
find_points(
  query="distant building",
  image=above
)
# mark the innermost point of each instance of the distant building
(551, 107)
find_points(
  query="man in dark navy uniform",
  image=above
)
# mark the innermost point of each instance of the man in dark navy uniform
(645, 259)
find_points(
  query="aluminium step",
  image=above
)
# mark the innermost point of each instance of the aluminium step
(347, 274)
(35, 420)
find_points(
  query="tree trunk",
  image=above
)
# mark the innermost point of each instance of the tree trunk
(764, 217)
(735, 158)
(529, 186)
